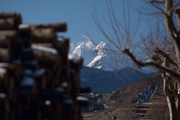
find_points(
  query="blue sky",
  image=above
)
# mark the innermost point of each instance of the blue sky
(76, 13)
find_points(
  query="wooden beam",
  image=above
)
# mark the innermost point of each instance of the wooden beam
(42, 35)
(12, 20)
(59, 27)
(62, 45)
(7, 38)
(46, 54)
(5, 55)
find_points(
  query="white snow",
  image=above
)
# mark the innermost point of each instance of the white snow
(103, 56)
(2, 65)
(48, 102)
(45, 49)
(109, 59)
(84, 50)
(23, 26)
(80, 98)
(3, 95)
(3, 70)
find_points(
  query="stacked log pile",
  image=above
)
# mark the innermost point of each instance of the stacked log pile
(37, 80)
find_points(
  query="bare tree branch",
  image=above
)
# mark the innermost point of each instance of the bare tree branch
(157, 1)
(170, 26)
(169, 21)
(151, 63)
(97, 22)
(165, 55)
(162, 49)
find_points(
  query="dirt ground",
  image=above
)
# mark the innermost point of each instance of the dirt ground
(124, 109)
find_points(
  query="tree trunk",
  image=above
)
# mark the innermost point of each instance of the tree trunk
(173, 100)
(173, 107)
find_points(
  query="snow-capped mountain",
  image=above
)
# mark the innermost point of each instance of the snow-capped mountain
(85, 50)
(102, 56)
(109, 59)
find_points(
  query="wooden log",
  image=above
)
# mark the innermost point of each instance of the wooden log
(85, 90)
(25, 31)
(65, 78)
(43, 35)
(4, 65)
(8, 38)
(48, 45)
(15, 20)
(62, 45)
(4, 55)
(76, 64)
(57, 75)
(15, 69)
(27, 87)
(27, 54)
(74, 91)
(59, 110)
(7, 24)
(59, 27)
(76, 112)
(9, 15)
(9, 70)
(3, 73)
(9, 73)
(30, 64)
(38, 77)
(46, 54)
(52, 94)
(60, 71)
(67, 109)
(3, 78)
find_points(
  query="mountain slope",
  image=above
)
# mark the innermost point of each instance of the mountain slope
(102, 81)
(84, 50)
(125, 109)
(102, 56)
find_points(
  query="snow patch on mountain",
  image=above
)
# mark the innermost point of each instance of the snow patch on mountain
(107, 58)
(84, 50)
(102, 56)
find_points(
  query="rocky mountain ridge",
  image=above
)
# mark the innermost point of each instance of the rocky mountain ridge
(102, 56)
(105, 57)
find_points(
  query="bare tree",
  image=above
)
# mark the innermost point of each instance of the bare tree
(163, 49)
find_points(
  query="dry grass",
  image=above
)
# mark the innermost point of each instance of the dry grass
(126, 110)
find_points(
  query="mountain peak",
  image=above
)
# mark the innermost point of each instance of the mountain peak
(99, 56)
(104, 57)
(84, 50)
(102, 46)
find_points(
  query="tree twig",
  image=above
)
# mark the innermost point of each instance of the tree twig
(151, 63)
